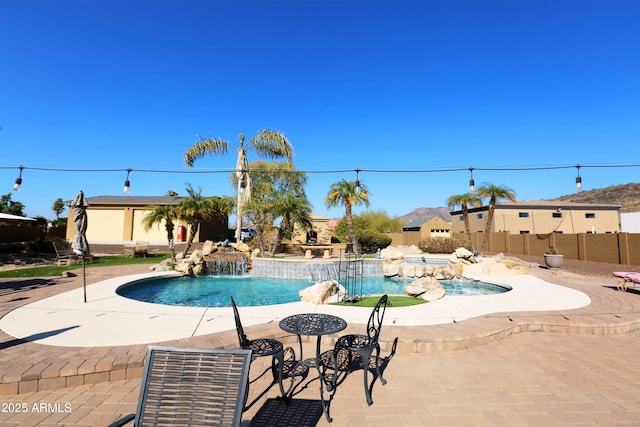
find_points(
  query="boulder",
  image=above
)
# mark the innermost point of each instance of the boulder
(198, 268)
(242, 247)
(391, 253)
(443, 273)
(207, 248)
(391, 268)
(322, 292)
(196, 257)
(462, 255)
(183, 267)
(494, 267)
(426, 288)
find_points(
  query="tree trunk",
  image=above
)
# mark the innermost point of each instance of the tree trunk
(487, 227)
(169, 227)
(282, 229)
(467, 226)
(352, 231)
(193, 230)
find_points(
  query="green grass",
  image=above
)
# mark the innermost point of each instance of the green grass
(103, 261)
(394, 301)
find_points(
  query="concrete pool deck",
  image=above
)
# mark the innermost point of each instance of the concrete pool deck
(108, 319)
(580, 368)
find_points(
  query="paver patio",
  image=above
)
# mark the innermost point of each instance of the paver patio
(580, 368)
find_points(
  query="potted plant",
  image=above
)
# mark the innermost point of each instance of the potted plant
(552, 258)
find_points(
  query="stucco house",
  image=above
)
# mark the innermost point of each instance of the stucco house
(542, 217)
(420, 229)
(321, 227)
(118, 219)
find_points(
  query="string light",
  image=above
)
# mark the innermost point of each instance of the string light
(578, 179)
(357, 187)
(127, 184)
(18, 184)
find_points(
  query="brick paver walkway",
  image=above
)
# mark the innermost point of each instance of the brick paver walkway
(580, 367)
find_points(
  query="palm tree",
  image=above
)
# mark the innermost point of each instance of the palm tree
(278, 193)
(346, 193)
(58, 208)
(268, 143)
(195, 209)
(163, 213)
(494, 193)
(465, 201)
(293, 209)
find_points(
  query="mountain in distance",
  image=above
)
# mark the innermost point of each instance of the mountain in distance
(421, 213)
(625, 195)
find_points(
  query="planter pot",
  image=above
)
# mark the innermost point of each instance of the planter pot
(553, 261)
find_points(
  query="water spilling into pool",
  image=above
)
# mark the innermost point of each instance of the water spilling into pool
(216, 291)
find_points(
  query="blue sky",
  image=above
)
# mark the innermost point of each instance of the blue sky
(398, 85)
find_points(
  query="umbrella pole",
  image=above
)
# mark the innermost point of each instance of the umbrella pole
(84, 280)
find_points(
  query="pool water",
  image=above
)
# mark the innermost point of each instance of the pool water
(216, 291)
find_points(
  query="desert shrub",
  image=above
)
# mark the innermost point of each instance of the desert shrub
(441, 245)
(40, 245)
(371, 242)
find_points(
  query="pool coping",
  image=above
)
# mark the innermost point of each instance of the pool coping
(109, 319)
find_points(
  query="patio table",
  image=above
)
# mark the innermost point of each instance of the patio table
(317, 324)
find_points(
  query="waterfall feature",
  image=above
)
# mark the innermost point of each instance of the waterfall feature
(319, 272)
(307, 270)
(227, 264)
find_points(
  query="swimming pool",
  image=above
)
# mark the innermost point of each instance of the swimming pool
(216, 291)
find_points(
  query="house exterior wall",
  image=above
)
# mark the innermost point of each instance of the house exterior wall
(320, 225)
(542, 220)
(435, 227)
(124, 223)
(103, 225)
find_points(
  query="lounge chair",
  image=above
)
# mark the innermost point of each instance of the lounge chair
(64, 252)
(363, 346)
(627, 277)
(188, 386)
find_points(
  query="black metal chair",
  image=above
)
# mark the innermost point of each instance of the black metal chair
(189, 386)
(262, 347)
(363, 346)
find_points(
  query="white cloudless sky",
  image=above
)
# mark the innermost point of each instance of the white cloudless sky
(400, 89)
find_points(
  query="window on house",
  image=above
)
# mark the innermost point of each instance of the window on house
(524, 231)
(523, 214)
(556, 214)
(461, 217)
(558, 232)
(479, 216)
(589, 215)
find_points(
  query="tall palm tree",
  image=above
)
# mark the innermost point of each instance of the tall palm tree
(159, 214)
(346, 194)
(195, 209)
(494, 193)
(268, 143)
(465, 201)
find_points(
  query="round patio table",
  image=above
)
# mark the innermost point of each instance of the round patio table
(317, 324)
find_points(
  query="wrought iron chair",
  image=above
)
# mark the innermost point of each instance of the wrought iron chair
(363, 345)
(189, 386)
(262, 347)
